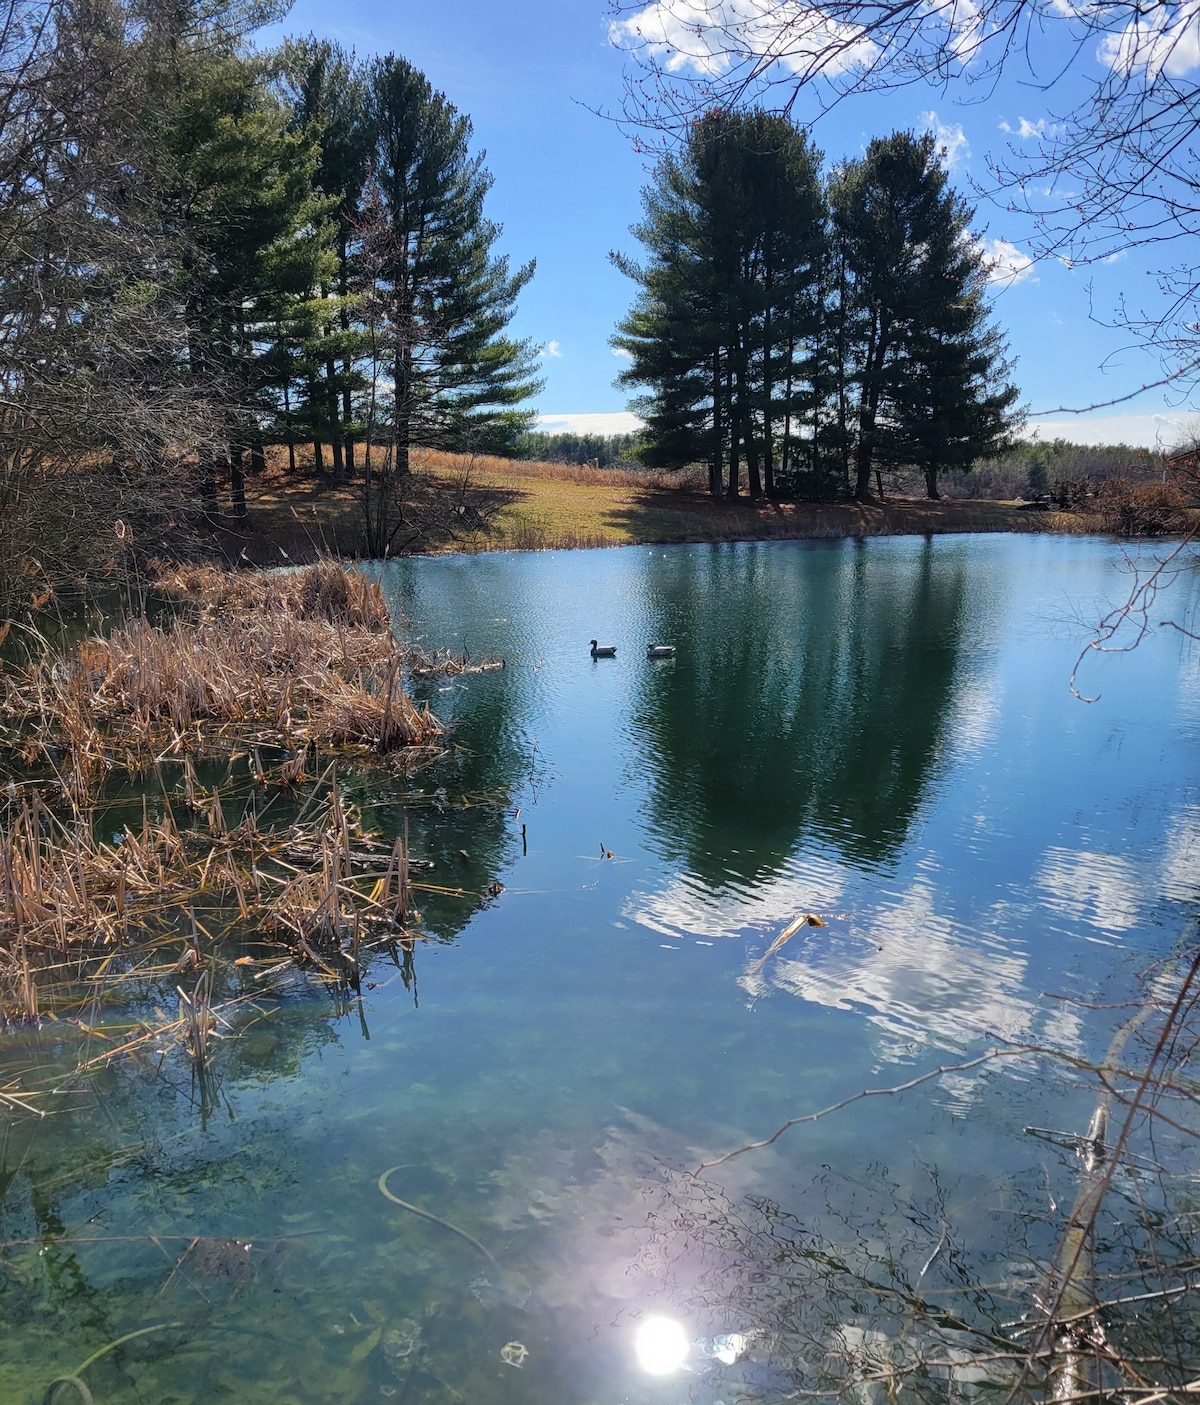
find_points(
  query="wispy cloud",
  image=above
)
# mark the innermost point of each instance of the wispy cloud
(709, 36)
(1150, 431)
(552, 348)
(622, 354)
(1005, 263)
(1025, 130)
(953, 146)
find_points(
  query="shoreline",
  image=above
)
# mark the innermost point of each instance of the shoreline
(527, 507)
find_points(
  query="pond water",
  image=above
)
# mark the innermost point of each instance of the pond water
(879, 734)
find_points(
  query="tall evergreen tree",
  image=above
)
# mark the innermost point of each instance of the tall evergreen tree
(927, 368)
(237, 186)
(328, 95)
(724, 328)
(456, 378)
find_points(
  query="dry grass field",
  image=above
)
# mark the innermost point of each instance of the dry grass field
(542, 506)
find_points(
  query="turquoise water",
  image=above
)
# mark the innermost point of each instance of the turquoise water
(880, 734)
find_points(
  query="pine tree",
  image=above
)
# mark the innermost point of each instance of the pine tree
(238, 187)
(724, 328)
(928, 369)
(456, 379)
(328, 97)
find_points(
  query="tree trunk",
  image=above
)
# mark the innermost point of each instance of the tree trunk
(339, 463)
(752, 473)
(864, 449)
(287, 418)
(843, 415)
(716, 462)
(237, 480)
(931, 487)
(868, 412)
(347, 420)
(403, 416)
(344, 319)
(785, 449)
(749, 427)
(768, 393)
(734, 432)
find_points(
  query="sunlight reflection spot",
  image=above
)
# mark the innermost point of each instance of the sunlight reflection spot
(661, 1346)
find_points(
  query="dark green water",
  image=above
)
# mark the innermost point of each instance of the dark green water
(880, 734)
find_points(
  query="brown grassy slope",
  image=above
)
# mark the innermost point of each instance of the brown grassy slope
(538, 506)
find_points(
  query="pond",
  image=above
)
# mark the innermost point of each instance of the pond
(879, 735)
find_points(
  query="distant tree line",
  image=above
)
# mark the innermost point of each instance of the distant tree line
(603, 450)
(206, 249)
(1032, 468)
(811, 330)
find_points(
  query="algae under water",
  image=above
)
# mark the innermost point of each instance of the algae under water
(878, 734)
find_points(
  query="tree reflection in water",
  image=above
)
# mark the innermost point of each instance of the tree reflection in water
(844, 687)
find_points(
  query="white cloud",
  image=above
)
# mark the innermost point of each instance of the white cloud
(1149, 431)
(552, 348)
(1163, 39)
(611, 422)
(913, 971)
(709, 36)
(953, 147)
(1005, 263)
(1025, 130)
(622, 354)
(1102, 890)
(682, 907)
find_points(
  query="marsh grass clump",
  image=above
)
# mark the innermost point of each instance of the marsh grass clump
(289, 659)
(209, 916)
(323, 591)
(162, 939)
(1129, 509)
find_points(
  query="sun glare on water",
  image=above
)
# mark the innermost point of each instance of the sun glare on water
(661, 1345)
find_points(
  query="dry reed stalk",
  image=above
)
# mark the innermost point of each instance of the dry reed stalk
(294, 659)
(196, 1012)
(81, 914)
(325, 591)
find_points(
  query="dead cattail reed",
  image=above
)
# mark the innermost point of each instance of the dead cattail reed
(195, 1009)
(290, 660)
(303, 662)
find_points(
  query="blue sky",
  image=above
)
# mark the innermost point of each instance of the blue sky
(532, 73)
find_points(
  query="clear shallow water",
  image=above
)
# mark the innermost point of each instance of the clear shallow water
(878, 733)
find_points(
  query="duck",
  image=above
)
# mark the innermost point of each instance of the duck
(660, 651)
(603, 651)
